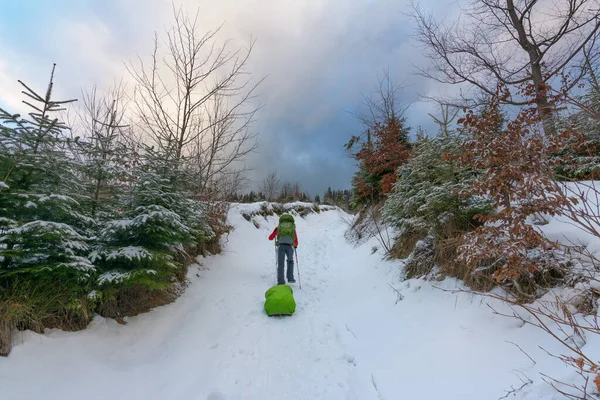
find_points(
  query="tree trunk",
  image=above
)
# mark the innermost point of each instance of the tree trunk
(535, 57)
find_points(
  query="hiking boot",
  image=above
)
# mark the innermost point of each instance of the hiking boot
(292, 280)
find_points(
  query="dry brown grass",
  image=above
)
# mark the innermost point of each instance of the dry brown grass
(446, 240)
(449, 236)
(479, 279)
(370, 223)
(422, 260)
(405, 244)
(210, 247)
(36, 307)
(7, 327)
(551, 269)
(357, 228)
(138, 299)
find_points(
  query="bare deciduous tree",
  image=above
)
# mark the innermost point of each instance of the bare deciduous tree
(195, 102)
(270, 186)
(379, 108)
(217, 154)
(290, 191)
(384, 105)
(104, 150)
(103, 115)
(512, 42)
(586, 105)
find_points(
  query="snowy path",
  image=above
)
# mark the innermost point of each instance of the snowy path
(348, 339)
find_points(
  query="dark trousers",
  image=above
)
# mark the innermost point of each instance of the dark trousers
(283, 252)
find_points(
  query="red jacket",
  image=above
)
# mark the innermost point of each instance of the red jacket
(274, 234)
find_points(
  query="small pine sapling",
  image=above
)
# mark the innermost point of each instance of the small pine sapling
(42, 246)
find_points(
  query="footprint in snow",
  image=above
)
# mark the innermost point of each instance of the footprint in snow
(216, 396)
(350, 359)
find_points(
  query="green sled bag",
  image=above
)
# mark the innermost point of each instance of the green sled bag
(280, 301)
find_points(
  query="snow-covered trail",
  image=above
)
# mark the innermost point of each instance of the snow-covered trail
(348, 339)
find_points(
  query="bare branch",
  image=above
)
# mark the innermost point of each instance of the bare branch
(510, 42)
(195, 100)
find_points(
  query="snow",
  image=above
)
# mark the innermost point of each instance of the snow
(118, 276)
(40, 226)
(7, 222)
(59, 197)
(120, 223)
(351, 337)
(129, 252)
(30, 204)
(79, 263)
(564, 230)
(113, 276)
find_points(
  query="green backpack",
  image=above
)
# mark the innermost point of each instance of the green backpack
(286, 230)
(279, 301)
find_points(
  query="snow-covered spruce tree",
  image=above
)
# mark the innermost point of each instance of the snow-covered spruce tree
(138, 253)
(580, 157)
(424, 195)
(425, 200)
(45, 278)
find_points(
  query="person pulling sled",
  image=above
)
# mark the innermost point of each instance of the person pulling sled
(286, 240)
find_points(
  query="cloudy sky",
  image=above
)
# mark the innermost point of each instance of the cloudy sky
(319, 55)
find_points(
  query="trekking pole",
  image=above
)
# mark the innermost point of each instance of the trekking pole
(275, 278)
(298, 266)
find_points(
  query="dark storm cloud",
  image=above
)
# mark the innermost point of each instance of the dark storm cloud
(319, 55)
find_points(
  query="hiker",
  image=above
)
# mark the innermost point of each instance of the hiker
(286, 241)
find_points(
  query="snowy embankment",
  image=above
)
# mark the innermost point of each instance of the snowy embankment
(351, 336)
